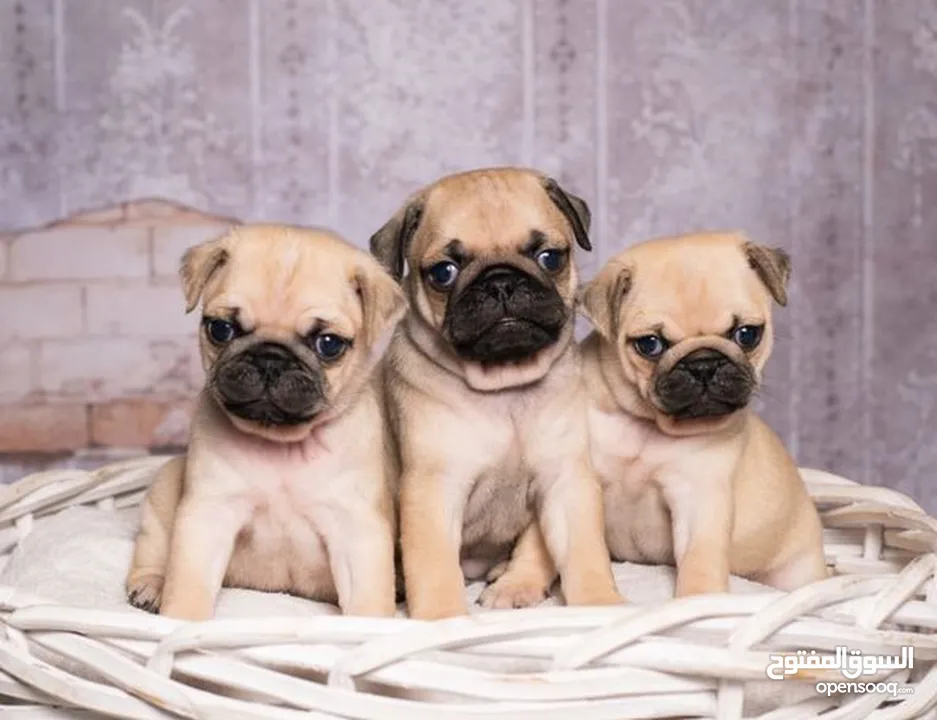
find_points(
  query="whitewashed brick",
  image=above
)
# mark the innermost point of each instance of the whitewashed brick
(160, 212)
(170, 241)
(80, 252)
(15, 372)
(141, 422)
(39, 311)
(152, 208)
(110, 215)
(106, 369)
(43, 428)
(139, 311)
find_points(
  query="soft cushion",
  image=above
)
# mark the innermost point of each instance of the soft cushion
(81, 556)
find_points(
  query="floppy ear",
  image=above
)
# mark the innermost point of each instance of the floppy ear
(383, 304)
(391, 243)
(773, 266)
(574, 209)
(600, 299)
(198, 264)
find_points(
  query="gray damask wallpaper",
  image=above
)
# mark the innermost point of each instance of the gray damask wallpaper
(810, 124)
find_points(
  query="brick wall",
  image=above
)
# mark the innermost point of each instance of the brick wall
(97, 356)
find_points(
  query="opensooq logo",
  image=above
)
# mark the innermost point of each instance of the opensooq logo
(850, 663)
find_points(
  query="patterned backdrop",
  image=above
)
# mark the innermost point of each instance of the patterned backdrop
(810, 124)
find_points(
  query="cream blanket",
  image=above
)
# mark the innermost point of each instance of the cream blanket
(80, 558)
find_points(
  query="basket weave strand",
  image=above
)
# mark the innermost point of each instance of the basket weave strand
(701, 656)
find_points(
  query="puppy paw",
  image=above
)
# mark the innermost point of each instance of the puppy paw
(513, 591)
(688, 591)
(438, 610)
(605, 598)
(595, 594)
(146, 592)
(693, 586)
(370, 607)
(497, 571)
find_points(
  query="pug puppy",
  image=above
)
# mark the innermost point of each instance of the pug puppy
(287, 484)
(485, 393)
(691, 476)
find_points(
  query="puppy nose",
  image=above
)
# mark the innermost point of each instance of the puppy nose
(272, 357)
(703, 364)
(295, 392)
(500, 282)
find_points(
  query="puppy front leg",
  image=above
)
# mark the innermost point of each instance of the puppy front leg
(702, 533)
(573, 526)
(202, 542)
(528, 576)
(361, 556)
(147, 572)
(430, 539)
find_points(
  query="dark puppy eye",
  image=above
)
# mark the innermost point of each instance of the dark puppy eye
(650, 346)
(747, 337)
(330, 347)
(443, 274)
(221, 331)
(551, 260)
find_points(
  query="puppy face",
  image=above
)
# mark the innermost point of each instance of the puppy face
(491, 271)
(293, 322)
(690, 318)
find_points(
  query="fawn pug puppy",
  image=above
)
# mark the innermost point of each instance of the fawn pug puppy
(287, 484)
(485, 393)
(691, 476)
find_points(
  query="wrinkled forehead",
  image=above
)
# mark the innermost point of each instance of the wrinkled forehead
(490, 216)
(289, 286)
(695, 295)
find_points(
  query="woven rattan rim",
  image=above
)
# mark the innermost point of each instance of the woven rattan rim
(692, 657)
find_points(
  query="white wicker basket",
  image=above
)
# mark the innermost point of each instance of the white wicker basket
(695, 657)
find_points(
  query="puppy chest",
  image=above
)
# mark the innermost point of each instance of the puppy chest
(637, 521)
(282, 548)
(615, 434)
(621, 466)
(498, 507)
